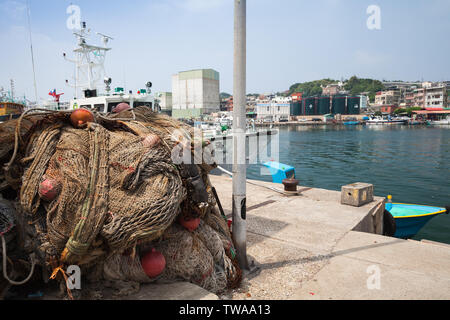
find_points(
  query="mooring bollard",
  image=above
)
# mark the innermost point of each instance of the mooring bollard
(290, 186)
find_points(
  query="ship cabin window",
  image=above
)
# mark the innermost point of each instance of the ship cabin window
(99, 107)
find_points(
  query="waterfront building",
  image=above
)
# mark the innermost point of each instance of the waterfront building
(419, 97)
(388, 109)
(409, 99)
(364, 101)
(390, 96)
(436, 96)
(194, 93)
(275, 109)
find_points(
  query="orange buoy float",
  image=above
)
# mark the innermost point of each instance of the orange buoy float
(80, 117)
(121, 107)
(151, 140)
(153, 263)
(191, 224)
(49, 189)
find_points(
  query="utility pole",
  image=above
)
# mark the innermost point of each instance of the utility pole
(239, 140)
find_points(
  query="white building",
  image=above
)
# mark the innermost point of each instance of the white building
(275, 109)
(364, 101)
(194, 93)
(436, 96)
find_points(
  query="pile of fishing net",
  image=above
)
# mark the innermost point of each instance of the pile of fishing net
(105, 195)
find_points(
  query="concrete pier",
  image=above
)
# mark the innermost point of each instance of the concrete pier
(311, 246)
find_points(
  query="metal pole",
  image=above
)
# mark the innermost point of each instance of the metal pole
(239, 141)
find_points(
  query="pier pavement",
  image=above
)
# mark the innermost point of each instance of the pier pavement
(310, 246)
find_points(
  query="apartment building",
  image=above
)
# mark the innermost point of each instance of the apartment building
(388, 97)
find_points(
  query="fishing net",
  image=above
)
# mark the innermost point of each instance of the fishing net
(115, 193)
(7, 219)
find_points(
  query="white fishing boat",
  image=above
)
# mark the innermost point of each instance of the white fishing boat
(444, 121)
(89, 71)
(387, 120)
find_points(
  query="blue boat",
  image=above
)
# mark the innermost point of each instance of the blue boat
(279, 171)
(410, 218)
(351, 123)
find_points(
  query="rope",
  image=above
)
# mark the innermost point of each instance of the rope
(5, 257)
(17, 131)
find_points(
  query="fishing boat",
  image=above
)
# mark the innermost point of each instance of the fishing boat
(444, 121)
(414, 122)
(89, 75)
(10, 110)
(388, 120)
(410, 218)
(351, 123)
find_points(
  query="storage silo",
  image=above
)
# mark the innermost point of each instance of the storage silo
(338, 105)
(296, 108)
(323, 105)
(309, 106)
(353, 105)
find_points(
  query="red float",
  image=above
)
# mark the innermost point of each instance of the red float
(49, 189)
(153, 263)
(191, 224)
(80, 117)
(151, 140)
(121, 107)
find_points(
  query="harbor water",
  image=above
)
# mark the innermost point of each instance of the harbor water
(412, 163)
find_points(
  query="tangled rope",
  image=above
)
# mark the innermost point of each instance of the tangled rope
(5, 258)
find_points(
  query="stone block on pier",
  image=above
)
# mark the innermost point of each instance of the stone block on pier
(357, 194)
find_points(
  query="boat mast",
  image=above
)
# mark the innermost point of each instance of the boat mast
(89, 61)
(32, 54)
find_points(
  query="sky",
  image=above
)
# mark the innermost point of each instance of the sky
(288, 41)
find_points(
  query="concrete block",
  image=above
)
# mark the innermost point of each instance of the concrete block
(357, 194)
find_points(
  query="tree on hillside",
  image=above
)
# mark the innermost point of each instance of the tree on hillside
(224, 95)
(356, 86)
(310, 88)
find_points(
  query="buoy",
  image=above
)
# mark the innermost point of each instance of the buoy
(153, 263)
(121, 107)
(151, 140)
(191, 224)
(80, 117)
(49, 189)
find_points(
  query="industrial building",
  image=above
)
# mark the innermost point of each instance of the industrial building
(194, 93)
(321, 105)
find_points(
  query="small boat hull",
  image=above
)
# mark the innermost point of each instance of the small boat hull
(410, 218)
(351, 123)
